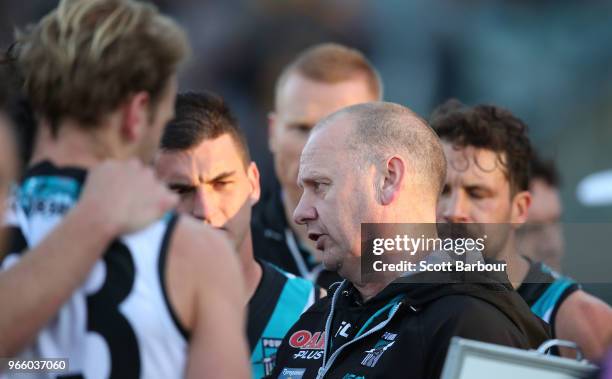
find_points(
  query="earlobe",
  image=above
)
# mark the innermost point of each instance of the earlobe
(253, 175)
(520, 207)
(135, 116)
(392, 180)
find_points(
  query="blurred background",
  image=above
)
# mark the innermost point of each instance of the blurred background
(549, 62)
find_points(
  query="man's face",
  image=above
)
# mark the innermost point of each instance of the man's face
(8, 162)
(477, 191)
(162, 114)
(213, 184)
(301, 103)
(335, 200)
(542, 237)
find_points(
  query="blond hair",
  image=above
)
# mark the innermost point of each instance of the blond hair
(82, 60)
(333, 63)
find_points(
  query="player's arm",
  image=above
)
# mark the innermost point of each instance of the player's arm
(207, 291)
(117, 198)
(586, 320)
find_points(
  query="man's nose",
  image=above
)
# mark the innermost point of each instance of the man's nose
(455, 208)
(202, 208)
(304, 211)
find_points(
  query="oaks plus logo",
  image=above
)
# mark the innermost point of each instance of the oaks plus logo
(310, 344)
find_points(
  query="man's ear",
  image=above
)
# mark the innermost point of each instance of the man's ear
(253, 176)
(394, 172)
(520, 207)
(272, 119)
(135, 116)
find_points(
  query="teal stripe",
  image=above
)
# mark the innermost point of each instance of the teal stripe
(546, 303)
(291, 303)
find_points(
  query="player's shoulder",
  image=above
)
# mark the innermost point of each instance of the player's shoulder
(299, 283)
(581, 303)
(193, 242)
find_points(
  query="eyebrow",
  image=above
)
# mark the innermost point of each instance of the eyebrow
(221, 176)
(181, 186)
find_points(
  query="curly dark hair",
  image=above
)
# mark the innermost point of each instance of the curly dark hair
(489, 127)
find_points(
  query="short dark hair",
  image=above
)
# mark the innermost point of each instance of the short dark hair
(488, 127)
(200, 116)
(545, 170)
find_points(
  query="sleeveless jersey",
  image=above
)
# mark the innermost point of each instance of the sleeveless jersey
(544, 290)
(118, 323)
(276, 305)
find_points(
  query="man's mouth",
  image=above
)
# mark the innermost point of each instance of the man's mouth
(316, 237)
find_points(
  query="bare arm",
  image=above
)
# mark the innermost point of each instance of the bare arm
(207, 290)
(587, 321)
(118, 198)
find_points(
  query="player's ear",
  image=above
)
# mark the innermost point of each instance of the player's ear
(272, 119)
(520, 207)
(393, 177)
(135, 116)
(253, 176)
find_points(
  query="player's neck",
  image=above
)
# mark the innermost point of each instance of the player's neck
(75, 146)
(299, 230)
(517, 266)
(251, 270)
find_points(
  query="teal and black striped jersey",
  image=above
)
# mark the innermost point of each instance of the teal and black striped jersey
(278, 302)
(544, 290)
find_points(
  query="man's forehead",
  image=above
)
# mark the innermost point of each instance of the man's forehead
(475, 163)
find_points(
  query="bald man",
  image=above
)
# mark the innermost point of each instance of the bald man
(380, 163)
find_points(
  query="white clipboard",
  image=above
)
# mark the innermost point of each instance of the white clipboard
(467, 359)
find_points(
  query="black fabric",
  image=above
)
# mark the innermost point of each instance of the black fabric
(161, 269)
(17, 243)
(268, 225)
(263, 302)
(534, 286)
(46, 168)
(414, 342)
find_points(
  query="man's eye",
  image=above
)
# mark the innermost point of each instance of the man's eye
(181, 190)
(446, 190)
(301, 128)
(319, 187)
(476, 194)
(221, 184)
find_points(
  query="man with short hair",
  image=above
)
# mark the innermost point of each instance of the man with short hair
(204, 158)
(102, 73)
(380, 163)
(541, 238)
(488, 154)
(318, 82)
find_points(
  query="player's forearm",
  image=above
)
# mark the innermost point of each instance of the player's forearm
(33, 290)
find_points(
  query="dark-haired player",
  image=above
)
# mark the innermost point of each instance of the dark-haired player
(488, 154)
(205, 159)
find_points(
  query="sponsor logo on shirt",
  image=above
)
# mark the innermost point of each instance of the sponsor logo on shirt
(310, 344)
(269, 348)
(292, 373)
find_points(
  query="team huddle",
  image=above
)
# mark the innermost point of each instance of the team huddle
(137, 242)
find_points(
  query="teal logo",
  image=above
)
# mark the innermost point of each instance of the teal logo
(353, 376)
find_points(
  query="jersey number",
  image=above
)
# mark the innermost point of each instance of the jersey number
(104, 317)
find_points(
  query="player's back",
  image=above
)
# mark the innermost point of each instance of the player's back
(119, 322)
